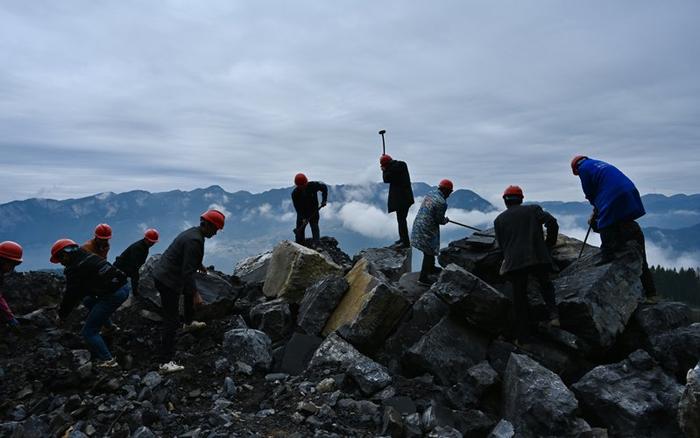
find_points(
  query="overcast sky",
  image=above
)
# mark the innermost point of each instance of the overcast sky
(113, 96)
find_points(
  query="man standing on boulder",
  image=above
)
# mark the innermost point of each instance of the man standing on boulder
(174, 275)
(616, 205)
(395, 173)
(526, 252)
(10, 256)
(305, 200)
(99, 244)
(133, 257)
(426, 228)
(101, 287)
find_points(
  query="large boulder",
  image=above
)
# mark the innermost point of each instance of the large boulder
(689, 406)
(319, 302)
(537, 402)
(567, 249)
(253, 269)
(677, 350)
(446, 351)
(650, 320)
(293, 268)
(421, 317)
(334, 351)
(478, 254)
(329, 248)
(218, 294)
(472, 299)
(596, 302)
(633, 398)
(273, 317)
(249, 346)
(391, 262)
(368, 311)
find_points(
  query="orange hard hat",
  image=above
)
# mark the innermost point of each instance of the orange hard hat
(215, 217)
(385, 159)
(103, 231)
(446, 184)
(11, 251)
(513, 192)
(59, 246)
(151, 235)
(575, 163)
(300, 180)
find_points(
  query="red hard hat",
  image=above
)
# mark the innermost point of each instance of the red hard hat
(513, 191)
(300, 180)
(59, 246)
(11, 251)
(446, 184)
(215, 217)
(385, 159)
(574, 163)
(103, 231)
(151, 235)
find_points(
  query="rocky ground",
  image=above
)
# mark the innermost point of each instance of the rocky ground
(308, 343)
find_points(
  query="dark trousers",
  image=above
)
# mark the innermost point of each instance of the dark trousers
(100, 311)
(427, 268)
(521, 305)
(614, 237)
(401, 215)
(301, 229)
(170, 302)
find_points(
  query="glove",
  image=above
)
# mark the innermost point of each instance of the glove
(447, 219)
(13, 323)
(323, 204)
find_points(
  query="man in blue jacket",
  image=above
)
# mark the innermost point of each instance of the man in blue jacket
(616, 205)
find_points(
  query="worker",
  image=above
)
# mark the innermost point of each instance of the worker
(133, 257)
(426, 228)
(395, 173)
(10, 257)
(616, 206)
(99, 244)
(526, 253)
(174, 275)
(101, 287)
(305, 200)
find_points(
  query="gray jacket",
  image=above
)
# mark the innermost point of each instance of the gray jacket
(519, 234)
(177, 266)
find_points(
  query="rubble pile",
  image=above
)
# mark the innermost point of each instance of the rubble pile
(303, 343)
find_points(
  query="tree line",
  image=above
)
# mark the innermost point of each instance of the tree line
(678, 284)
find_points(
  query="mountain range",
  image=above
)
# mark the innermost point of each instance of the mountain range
(356, 216)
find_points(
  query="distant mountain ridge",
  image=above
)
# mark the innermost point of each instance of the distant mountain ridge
(356, 216)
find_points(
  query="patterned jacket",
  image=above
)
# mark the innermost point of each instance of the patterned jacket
(426, 228)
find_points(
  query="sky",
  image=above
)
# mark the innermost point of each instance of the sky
(100, 96)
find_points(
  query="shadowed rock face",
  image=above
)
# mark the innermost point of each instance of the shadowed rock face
(320, 300)
(633, 398)
(677, 350)
(689, 406)
(391, 262)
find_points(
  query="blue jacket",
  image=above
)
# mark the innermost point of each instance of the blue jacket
(426, 226)
(613, 195)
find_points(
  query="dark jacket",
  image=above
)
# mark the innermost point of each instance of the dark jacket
(131, 260)
(400, 192)
(88, 275)
(306, 201)
(519, 234)
(179, 263)
(613, 195)
(5, 312)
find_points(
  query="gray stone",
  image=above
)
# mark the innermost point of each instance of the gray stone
(293, 268)
(369, 376)
(253, 269)
(413, 426)
(471, 298)
(392, 423)
(472, 254)
(447, 351)
(482, 377)
(143, 432)
(272, 317)
(677, 350)
(221, 365)
(152, 379)
(689, 406)
(336, 352)
(391, 262)
(298, 353)
(470, 422)
(537, 402)
(596, 302)
(252, 347)
(634, 397)
(504, 429)
(445, 432)
(319, 302)
(230, 388)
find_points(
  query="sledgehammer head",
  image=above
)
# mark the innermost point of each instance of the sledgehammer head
(382, 132)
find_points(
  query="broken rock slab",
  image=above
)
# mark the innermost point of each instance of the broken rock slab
(273, 317)
(470, 298)
(654, 319)
(249, 346)
(596, 302)
(677, 350)
(253, 269)
(293, 268)
(368, 311)
(446, 351)
(634, 397)
(319, 302)
(473, 255)
(391, 262)
(537, 402)
(689, 406)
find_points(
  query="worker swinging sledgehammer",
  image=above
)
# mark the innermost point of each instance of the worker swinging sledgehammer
(305, 200)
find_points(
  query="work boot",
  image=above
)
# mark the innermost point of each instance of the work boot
(652, 299)
(111, 329)
(554, 319)
(170, 367)
(111, 363)
(193, 326)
